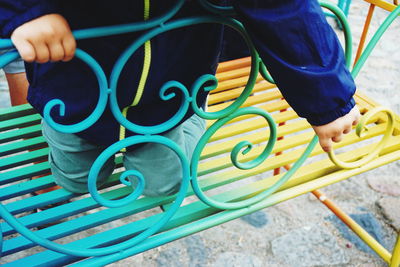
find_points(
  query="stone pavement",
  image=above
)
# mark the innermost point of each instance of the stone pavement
(302, 232)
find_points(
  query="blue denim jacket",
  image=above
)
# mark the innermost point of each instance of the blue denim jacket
(292, 37)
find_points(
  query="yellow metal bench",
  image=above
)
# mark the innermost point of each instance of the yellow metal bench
(23, 155)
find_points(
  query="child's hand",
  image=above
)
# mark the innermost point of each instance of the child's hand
(335, 130)
(47, 38)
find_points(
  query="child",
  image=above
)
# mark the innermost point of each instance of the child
(292, 37)
(17, 82)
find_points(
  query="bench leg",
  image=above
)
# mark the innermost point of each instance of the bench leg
(358, 230)
(287, 167)
(364, 32)
(396, 253)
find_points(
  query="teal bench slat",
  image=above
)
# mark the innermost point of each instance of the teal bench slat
(16, 112)
(20, 189)
(23, 145)
(33, 202)
(27, 132)
(20, 122)
(19, 160)
(24, 172)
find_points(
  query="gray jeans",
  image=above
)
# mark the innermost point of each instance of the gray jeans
(71, 158)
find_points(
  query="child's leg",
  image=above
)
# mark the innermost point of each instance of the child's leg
(71, 158)
(159, 165)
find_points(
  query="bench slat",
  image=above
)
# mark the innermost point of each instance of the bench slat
(27, 132)
(127, 229)
(20, 122)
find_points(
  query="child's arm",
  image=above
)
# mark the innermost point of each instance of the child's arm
(306, 60)
(47, 38)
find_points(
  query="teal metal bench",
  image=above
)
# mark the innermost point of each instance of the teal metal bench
(224, 162)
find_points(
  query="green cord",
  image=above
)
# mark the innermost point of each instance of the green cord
(145, 72)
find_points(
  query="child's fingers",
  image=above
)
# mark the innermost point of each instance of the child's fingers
(357, 119)
(69, 45)
(42, 52)
(56, 51)
(337, 138)
(347, 130)
(326, 144)
(25, 49)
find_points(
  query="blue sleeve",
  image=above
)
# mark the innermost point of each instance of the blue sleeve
(14, 13)
(303, 55)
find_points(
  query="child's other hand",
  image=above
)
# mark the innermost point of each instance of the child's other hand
(335, 130)
(47, 38)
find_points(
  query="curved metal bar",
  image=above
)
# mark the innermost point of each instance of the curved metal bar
(116, 29)
(219, 10)
(6, 44)
(374, 40)
(8, 57)
(364, 120)
(130, 27)
(245, 147)
(253, 200)
(201, 81)
(196, 86)
(84, 252)
(360, 132)
(156, 129)
(341, 17)
(265, 74)
(97, 112)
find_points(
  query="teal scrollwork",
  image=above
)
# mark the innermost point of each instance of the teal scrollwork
(247, 165)
(108, 94)
(341, 17)
(96, 113)
(8, 57)
(83, 252)
(196, 87)
(243, 147)
(130, 141)
(219, 10)
(265, 74)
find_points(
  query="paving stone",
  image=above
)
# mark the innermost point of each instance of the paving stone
(257, 219)
(236, 259)
(390, 206)
(385, 186)
(196, 250)
(368, 222)
(309, 246)
(171, 257)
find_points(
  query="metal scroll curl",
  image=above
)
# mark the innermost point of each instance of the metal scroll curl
(85, 252)
(8, 57)
(265, 74)
(354, 72)
(130, 27)
(198, 84)
(96, 113)
(360, 131)
(220, 10)
(244, 147)
(341, 17)
(133, 140)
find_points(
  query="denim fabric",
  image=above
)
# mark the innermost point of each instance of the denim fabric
(14, 67)
(71, 158)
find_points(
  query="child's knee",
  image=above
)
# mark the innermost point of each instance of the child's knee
(162, 191)
(71, 158)
(73, 176)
